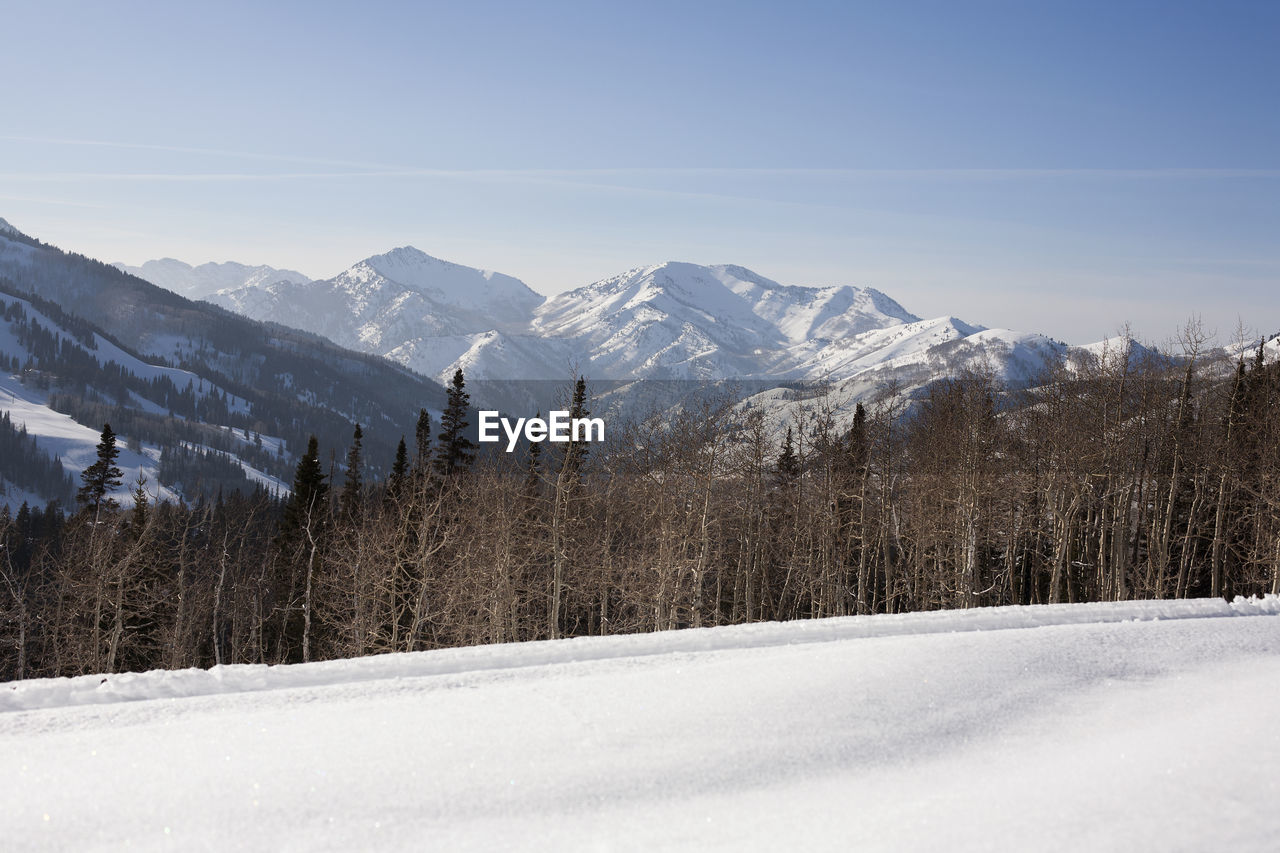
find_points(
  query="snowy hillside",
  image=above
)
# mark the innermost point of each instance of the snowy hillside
(1136, 725)
(203, 281)
(25, 396)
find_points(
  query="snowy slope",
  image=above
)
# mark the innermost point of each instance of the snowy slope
(808, 313)
(488, 355)
(1137, 725)
(673, 320)
(201, 282)
(76, 444)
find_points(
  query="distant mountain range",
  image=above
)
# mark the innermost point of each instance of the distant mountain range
(227, 389)
(207, 279)
(672, 321)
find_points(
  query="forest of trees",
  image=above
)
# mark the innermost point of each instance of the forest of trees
(1129, 475)
(28, 467)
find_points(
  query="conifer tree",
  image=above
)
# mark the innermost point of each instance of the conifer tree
(455, 452)
(299, 540)
(422, 436)
(310, 492)
(399, 474)
(102, 476)
(859, 450)
(350, 502)
(576, 452)
(141, 504)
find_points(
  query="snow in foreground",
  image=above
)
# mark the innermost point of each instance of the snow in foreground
(1140, 725)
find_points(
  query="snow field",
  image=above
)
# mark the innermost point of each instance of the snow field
(1141, 725)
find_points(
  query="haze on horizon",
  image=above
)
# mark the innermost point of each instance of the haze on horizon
(1061, 168)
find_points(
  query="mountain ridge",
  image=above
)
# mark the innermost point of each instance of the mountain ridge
(674, 321)
(196, 391)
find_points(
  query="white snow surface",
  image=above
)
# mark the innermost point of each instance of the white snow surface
(1136, 725)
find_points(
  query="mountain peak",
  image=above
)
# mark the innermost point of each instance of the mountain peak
(404, 255)
(413, 269)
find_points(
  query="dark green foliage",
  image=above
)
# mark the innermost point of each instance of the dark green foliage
(399, 479)
(454, 452)
(201, 471)
(422, 437)
(533, 471)
(101, 477)
(351, 501)
(141, 504)
(310, 494)
(576, 451)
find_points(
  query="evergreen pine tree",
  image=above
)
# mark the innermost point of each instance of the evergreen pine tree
(576, 452)
(102, 476)
(399, 474)
(455, 451)
(350, 502)
(310, 492)
(141, 504)
(422, 436)
(858, 449)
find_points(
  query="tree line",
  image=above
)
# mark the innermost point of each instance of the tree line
(1127, 474)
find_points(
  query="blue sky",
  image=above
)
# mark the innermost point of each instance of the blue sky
(1054, 167)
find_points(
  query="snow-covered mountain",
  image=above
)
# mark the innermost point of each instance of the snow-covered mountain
(203, 281)
(678, 322)
(684, 321)
(670, 321)
(421, 311)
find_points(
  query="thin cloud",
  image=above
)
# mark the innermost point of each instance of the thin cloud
(184, 149)
(53, 201)
(377, 169)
